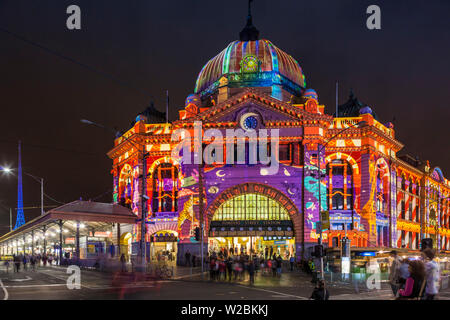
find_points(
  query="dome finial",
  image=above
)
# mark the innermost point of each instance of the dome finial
(249, 33)
(352, 94)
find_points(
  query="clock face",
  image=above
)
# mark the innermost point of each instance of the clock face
(249, 121)
(249, 63)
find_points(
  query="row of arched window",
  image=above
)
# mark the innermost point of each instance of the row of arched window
(164, 188)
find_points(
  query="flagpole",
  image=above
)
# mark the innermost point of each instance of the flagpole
(337, 95)
(167, 106)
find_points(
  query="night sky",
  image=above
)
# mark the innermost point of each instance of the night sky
(138, 49)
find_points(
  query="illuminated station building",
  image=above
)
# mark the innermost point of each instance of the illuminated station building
(375, 197)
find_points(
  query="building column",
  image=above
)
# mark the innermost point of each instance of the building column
(32, 242)
(24, 245)
(118, 240)
(45, 240)
(77, 241)
(60, 241)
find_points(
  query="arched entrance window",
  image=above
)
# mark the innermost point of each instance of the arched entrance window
(165, 188)
(340, 185)
(125, 245)
(251, 207)
(126, 186)
(252, 222)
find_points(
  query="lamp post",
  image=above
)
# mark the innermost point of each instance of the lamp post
(38, 179)
(41, 181)
(319, 178)
(144, 197)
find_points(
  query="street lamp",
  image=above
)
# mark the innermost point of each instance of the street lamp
(6, 170)
(38, 179)
(145, 154)
(320, 148)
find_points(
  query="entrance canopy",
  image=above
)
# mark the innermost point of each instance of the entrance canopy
(251, 214)
(91, 218)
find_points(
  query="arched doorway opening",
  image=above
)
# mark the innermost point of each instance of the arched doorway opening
(253, 219)
(164, 245)
(125, 245)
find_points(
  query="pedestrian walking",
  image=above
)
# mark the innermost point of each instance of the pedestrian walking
(432, 274)
(291, 262)
(16, 263)
(229, 268)
(394, 274)
(24, 261)
(403, 273)
(212, 266)
(33, 263)
(274, 267)
(279, 265)
(320, 292)
(222, 270)
(7, 265)
(415, 282)
(123, 262)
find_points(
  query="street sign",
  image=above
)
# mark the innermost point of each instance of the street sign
(325, 220)
(345, 265)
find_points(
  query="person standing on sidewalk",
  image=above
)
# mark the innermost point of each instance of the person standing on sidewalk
(432, 274)
(394, 274)
(188, 258)
(312, 268)
(251, 271)
(279, 265)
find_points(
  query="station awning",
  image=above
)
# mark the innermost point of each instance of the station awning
(94, 214)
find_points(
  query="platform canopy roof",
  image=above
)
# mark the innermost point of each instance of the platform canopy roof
(94, 215)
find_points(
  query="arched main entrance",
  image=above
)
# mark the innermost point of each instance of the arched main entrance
(125, 244)
(164, 245)
(253, 218)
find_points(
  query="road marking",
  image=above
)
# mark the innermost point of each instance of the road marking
(271, 291)
(37, 285)
(20, 280)
(62, 279)
(4, 290)
(187, 275)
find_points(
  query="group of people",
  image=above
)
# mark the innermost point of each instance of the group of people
(230, 267)
(415, 279)
(165, 255)
(32, 260)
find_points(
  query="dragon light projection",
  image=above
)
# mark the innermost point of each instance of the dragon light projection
(312, 192)
(368, 210)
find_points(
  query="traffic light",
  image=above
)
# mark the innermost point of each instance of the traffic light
(197, 234)
(318, 251)
(427, 243)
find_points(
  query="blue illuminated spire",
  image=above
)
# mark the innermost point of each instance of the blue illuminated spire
(20, 219)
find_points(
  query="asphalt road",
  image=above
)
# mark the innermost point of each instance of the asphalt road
(50, 283)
